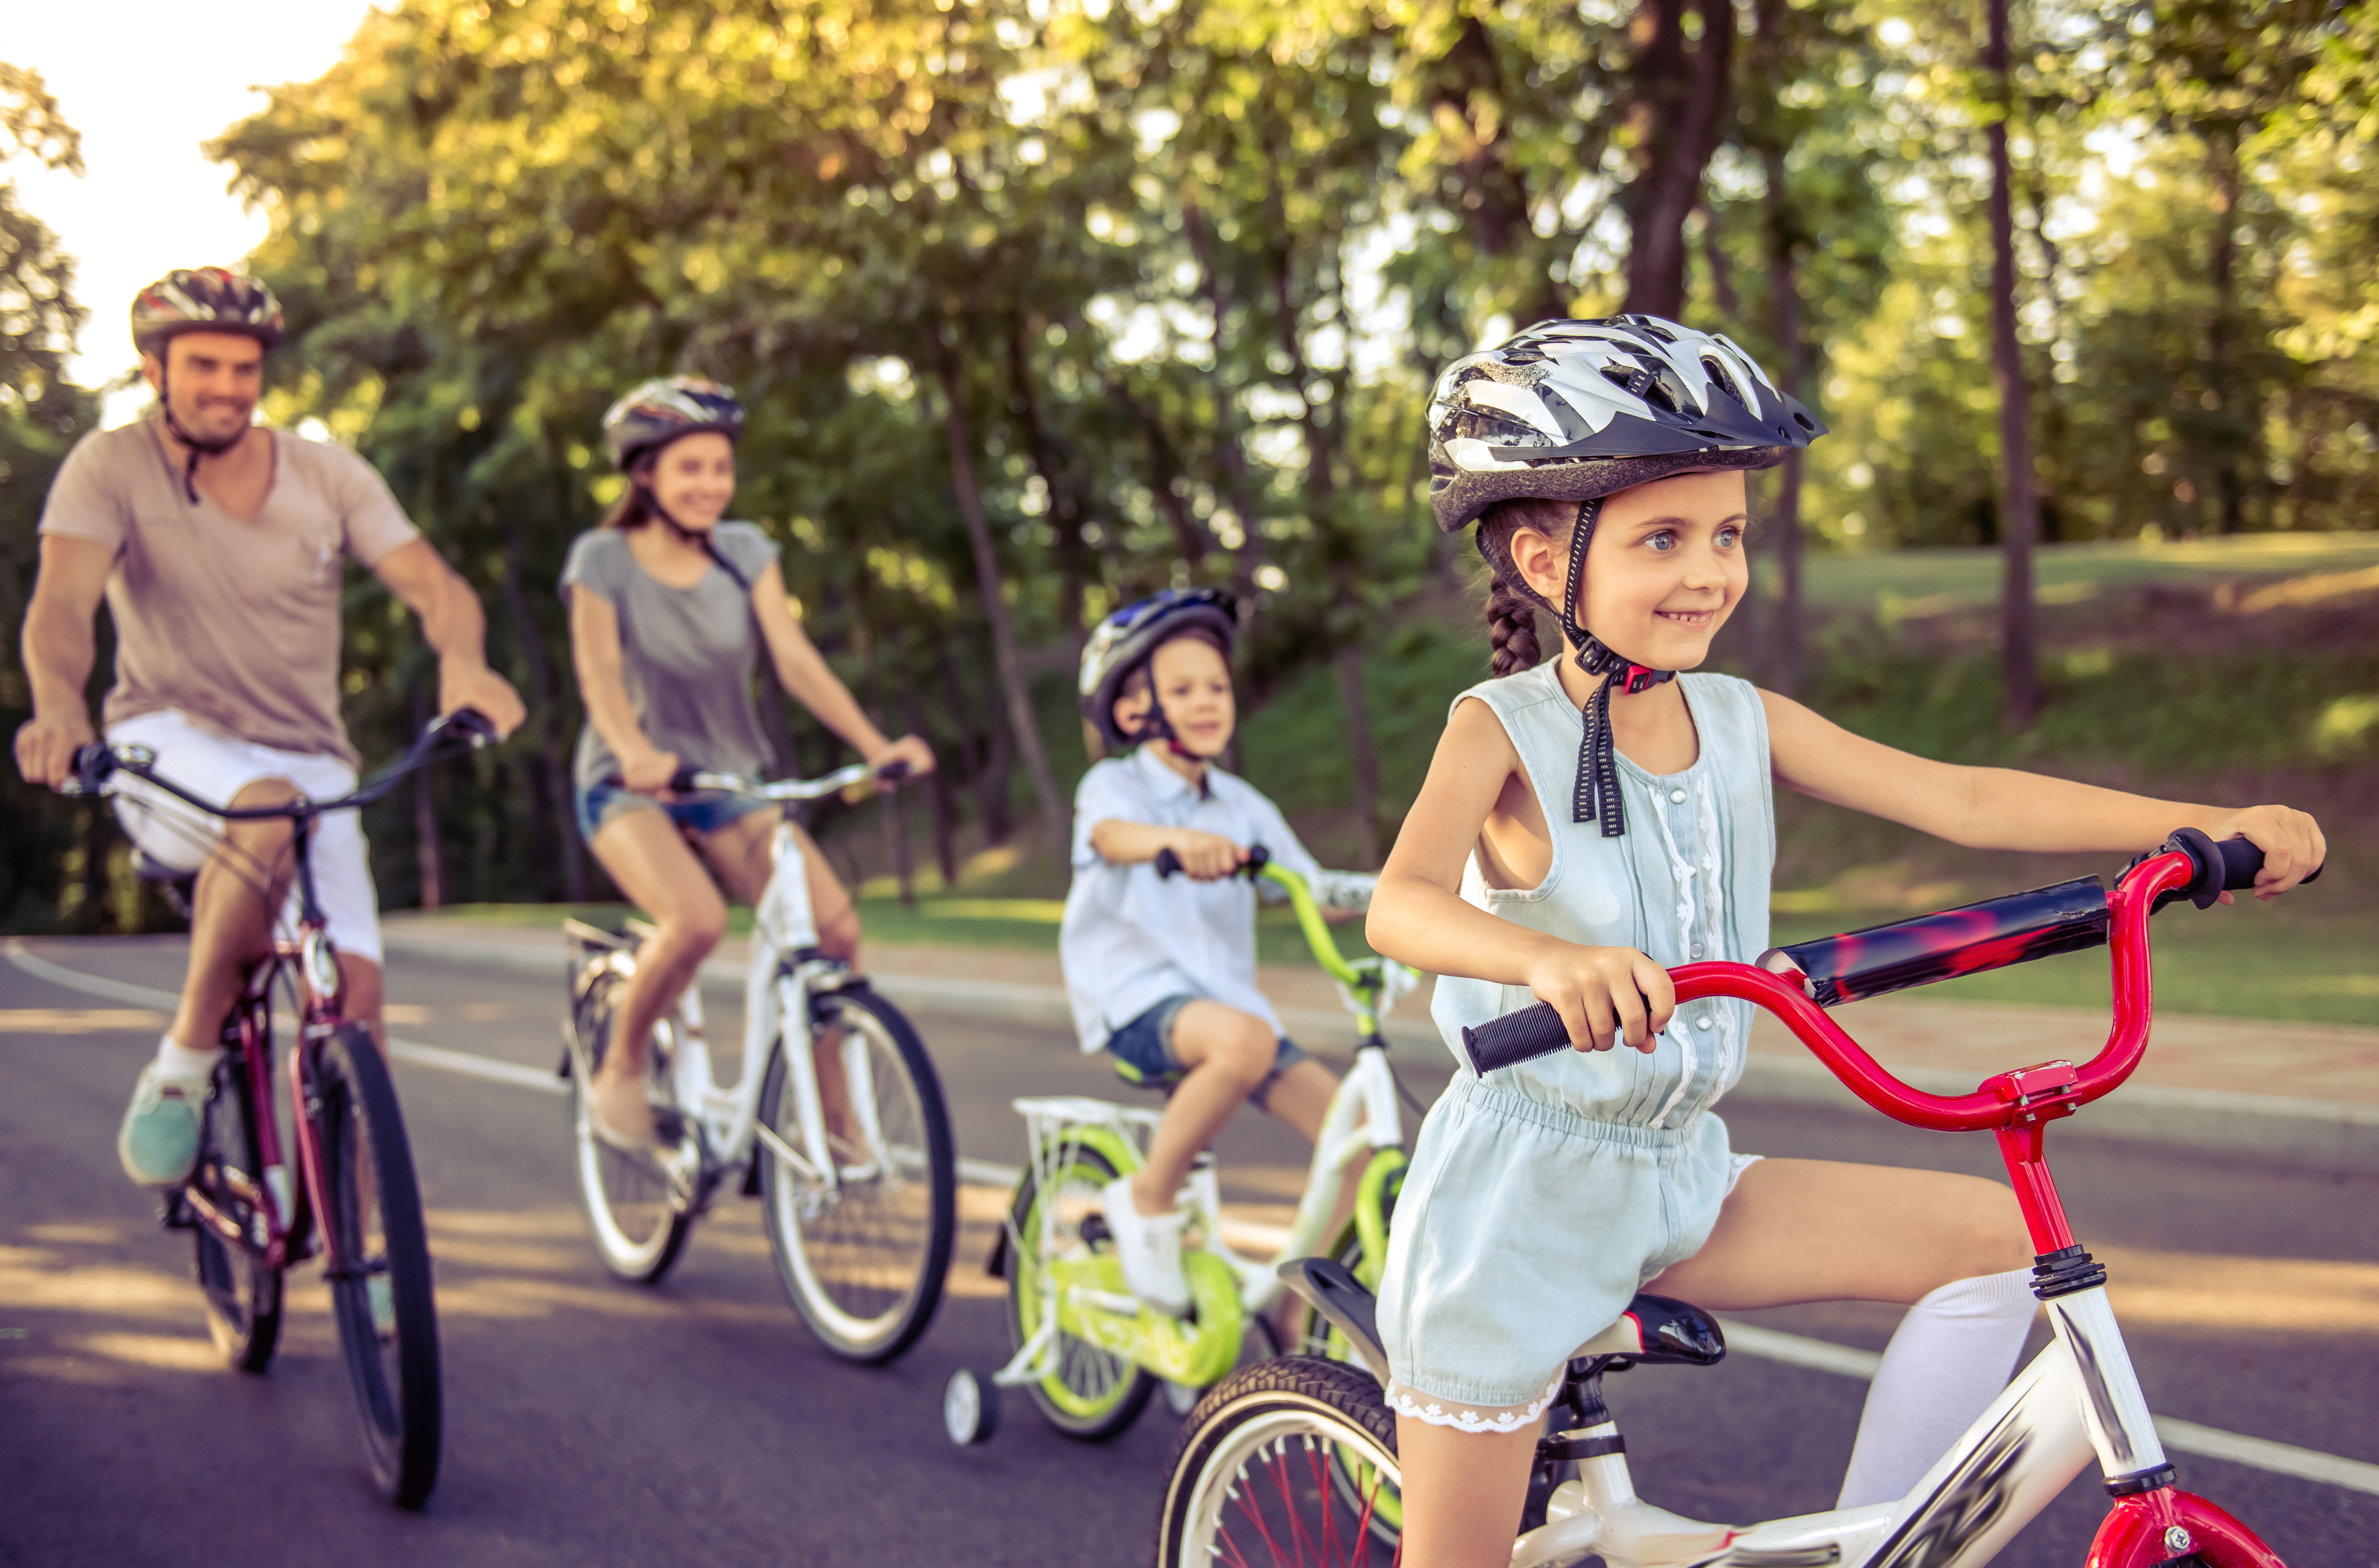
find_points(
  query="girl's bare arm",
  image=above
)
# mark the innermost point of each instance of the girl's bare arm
(1999, 808)
(595, 650)
(812, 683)
(1419, 915)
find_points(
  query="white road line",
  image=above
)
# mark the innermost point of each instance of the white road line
(2181, 1437)
(1769, 1345)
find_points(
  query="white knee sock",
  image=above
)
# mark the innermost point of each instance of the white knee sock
(1951, 1356)
(176, 1061)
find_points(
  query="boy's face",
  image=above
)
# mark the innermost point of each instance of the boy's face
(1194, 682)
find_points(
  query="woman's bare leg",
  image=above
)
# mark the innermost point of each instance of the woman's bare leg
(654, 866)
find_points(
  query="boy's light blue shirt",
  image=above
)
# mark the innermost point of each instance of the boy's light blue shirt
(1131, 939)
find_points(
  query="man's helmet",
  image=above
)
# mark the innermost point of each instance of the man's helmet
(1572, 410)
(203, 299)
(1125, 640)
(661, 411)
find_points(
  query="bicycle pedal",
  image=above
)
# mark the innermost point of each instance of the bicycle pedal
(176, 1214)
(1095, 1230)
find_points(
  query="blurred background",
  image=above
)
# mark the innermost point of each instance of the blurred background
(1040, 305)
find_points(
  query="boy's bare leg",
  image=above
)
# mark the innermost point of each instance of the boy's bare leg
(1227, 1052)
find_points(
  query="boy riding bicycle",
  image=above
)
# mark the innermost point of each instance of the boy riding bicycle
(1161, 971)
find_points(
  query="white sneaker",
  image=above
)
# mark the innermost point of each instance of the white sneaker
(1150, 1248)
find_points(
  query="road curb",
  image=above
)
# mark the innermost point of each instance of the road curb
(2321, 1134)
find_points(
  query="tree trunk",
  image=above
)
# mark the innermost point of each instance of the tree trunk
(1363, 758)
(1679, 114)
(1065, 501)
(2018, 508)
(1024, 728)
(560, 830)
(987, 760)
(1227, 411)
(2221, 332)
(1780, 628)
(426, 848)
(937, 784)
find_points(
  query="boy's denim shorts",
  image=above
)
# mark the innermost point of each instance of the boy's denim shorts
(1142, 1050)
(700, 813)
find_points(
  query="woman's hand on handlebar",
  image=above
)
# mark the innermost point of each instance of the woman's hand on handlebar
(1604, 993)
(649, 773)
(2291, 841)
(909, 752)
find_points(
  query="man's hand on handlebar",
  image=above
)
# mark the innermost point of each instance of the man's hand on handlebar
(470, 683)
(47, 742)
(2291, 841)
(909, 752)
(1603, 994)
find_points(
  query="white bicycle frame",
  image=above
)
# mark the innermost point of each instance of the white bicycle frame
(1363, 1117)
(775, 991)
(2079, 1397)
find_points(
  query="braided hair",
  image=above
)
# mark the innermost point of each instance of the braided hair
(1512, 605)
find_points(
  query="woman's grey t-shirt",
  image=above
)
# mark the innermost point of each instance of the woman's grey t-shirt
(686, 654)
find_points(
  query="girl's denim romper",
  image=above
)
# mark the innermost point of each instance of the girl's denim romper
(1541, 1197)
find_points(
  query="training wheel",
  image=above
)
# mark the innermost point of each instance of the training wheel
(970, 1407)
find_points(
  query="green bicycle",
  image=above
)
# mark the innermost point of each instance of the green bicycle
(1087, 1349)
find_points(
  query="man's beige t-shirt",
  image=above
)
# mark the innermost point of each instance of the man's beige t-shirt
(237, 624)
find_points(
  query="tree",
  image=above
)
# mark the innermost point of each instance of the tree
(2018, 508)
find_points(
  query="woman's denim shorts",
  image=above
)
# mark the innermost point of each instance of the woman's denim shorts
(699, 813)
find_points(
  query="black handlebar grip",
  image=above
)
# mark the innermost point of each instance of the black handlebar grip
(1258, 857)
(93, 764)
(1515, 1037)
(892, 772)
(1167, 863)
(2228, 866)
(683, 779)
(476, 725)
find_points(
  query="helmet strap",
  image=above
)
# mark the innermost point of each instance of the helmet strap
(1596, 796)
(199, 448)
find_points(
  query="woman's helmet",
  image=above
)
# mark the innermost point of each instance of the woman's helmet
(661, 411)
(1572, 410)
(1125, 640)
(203, 299)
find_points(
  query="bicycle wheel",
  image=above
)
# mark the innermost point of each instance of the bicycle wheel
(1312, 1335)
(1094, 1394)
(637, 1221)
(863, 1261)
(1254, 1479)
(380, 1297)
(243, 1294)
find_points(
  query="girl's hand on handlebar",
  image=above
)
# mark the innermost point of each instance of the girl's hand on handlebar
(1603, 994)
(1206, 857)
(909, 749)
(649, 773)
(2291, 841)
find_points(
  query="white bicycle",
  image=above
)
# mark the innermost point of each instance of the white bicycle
(836, 1121)
(1293, 1462)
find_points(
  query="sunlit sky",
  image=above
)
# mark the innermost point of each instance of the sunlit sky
(147, 82)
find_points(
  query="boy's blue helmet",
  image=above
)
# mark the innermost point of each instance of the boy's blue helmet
(1125, 641)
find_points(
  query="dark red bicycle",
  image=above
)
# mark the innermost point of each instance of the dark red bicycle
(352, 1199)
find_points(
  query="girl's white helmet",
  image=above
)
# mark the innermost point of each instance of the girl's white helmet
(1572, 410)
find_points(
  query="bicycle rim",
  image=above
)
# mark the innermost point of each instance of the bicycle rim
(1094, 1394)
(390, 1343)
(1255, 1479)
(865, 1262)
(243, 1296)
(638, 1225)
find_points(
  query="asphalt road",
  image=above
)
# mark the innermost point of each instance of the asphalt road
(591, 1422)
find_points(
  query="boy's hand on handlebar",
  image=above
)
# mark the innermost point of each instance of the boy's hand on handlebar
(468, 683)
(1206, 857)
(47, 742)
(649, 773)
(1603, 994)
(2291, 841)
(910, 750)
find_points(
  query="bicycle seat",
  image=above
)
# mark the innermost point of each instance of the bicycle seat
(1658, 1331)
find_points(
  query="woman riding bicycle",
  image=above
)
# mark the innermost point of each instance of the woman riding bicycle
(1604, 462)
(669, 607)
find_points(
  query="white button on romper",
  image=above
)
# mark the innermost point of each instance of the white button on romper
(1541, 1197)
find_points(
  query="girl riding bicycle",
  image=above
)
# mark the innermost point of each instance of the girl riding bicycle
(668, 609)
(1604, 463)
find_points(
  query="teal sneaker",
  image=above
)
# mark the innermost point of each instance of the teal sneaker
(159, 1140)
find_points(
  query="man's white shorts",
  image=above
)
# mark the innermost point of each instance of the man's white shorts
(217, 767)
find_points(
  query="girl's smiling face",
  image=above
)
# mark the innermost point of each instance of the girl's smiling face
(1664, 570)
(694, 477)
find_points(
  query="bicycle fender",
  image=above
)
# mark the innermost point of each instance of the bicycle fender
(1195, 1352)
(2151, 1528)
(1371, 1201)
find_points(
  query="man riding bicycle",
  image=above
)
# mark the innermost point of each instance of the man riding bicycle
(216, 543)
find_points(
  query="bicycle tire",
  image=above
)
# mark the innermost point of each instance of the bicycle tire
(379, 1227)
(634, 1217)
(1312, 1335)
(1094, 1394)
(1251, 1480)
(865, 1265)
(242, 1292)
